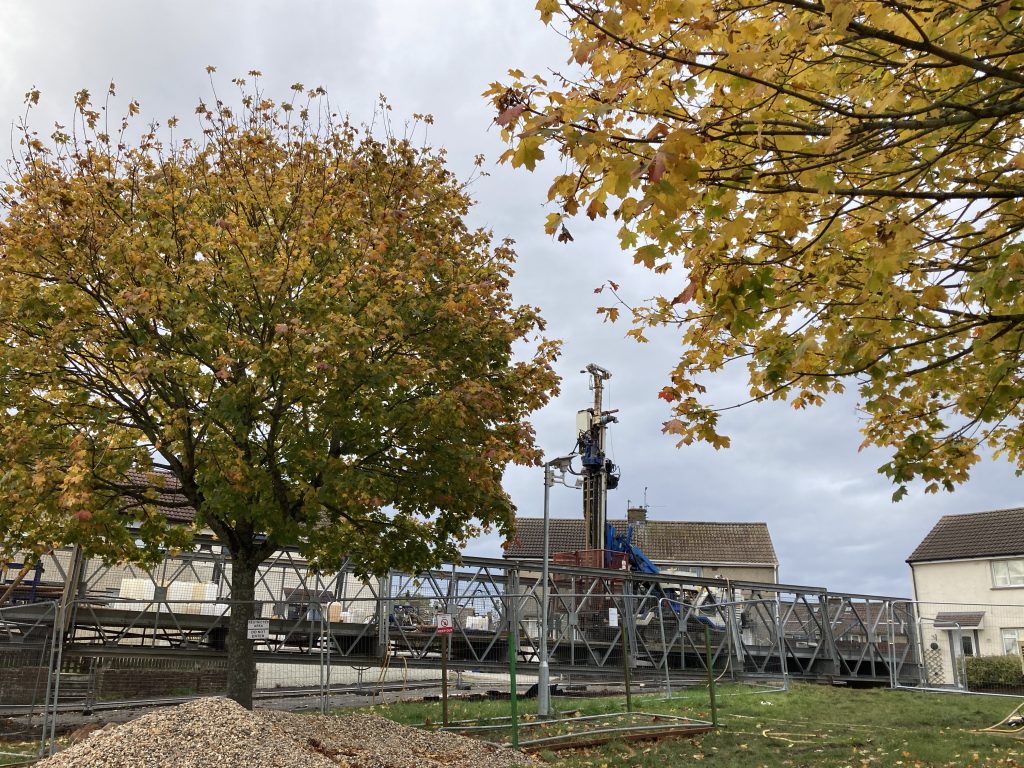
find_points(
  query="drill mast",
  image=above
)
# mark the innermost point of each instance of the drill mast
(599, 473)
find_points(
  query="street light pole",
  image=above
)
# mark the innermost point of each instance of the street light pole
(543, 670)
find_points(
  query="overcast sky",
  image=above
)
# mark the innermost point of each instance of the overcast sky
(828, 511)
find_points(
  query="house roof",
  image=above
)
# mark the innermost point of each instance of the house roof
(980, 534)
(170, 503)
(675, 541)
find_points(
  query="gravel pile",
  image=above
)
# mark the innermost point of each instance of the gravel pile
(216, 733)
(367, 741)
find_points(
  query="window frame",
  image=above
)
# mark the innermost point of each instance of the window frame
(1002, 578)
(1017, 637)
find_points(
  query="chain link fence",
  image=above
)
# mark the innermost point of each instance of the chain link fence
(970, 648)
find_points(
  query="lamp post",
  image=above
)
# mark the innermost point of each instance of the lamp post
(562, 464)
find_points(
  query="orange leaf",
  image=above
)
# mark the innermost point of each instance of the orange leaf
(687, 295)
(657, 169)
(510, 115)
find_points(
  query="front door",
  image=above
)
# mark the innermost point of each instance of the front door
(963, 644)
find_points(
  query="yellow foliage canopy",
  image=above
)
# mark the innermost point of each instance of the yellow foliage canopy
(289, 316)
(840, 186)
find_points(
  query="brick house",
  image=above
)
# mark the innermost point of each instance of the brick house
(738, 551)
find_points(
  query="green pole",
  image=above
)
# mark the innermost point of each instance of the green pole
(711, 676)
(513, 651)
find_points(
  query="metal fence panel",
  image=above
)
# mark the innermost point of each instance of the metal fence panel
(29, 658)
(965, 647)
(160, 634)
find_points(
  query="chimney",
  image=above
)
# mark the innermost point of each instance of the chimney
(636, 514)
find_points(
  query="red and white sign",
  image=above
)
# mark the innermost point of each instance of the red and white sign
(444, 623)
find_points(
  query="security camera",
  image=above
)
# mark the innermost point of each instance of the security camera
(562, 463)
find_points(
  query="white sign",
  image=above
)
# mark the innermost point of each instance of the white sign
(444, 623)
(613, 617)
(259, 629)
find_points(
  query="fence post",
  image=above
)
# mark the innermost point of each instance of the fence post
(49, 739)
(383, 614)
(892, 643)
(915, 635)
(450, 600)
(48, 652)
(323, 664)
(731, 620)
(573, 619)
(736, 636)
(961, 659)
(711, 675)
(626, 664)
(780, 635)
(444, 680)
(325, 644)
(513, 652)
(624, 633)
(664, 649)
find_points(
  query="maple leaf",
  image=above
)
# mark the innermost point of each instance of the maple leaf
(687, 294)
(657, 167)
(669, 394)
(510, 115)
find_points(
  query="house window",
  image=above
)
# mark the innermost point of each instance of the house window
(967, 644)
(1010, 637)
(1008, 573)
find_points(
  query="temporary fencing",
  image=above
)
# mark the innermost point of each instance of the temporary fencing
(145, 652)
(327, 640)
(29, 681)
(970, 648)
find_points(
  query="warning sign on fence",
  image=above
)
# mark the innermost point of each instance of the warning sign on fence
(444, 623)
(258, 629)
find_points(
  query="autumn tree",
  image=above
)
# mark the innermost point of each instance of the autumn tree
(287, 314)
(839, 185)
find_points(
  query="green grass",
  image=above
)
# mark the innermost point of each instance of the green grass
(807, 726)
(28, 752)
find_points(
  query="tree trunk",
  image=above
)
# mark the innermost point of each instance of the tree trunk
(241, 660)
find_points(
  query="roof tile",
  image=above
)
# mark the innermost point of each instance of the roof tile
(999, 533)
(170, 503)
(674, 541)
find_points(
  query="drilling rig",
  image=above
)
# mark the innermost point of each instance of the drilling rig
(599, 473)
